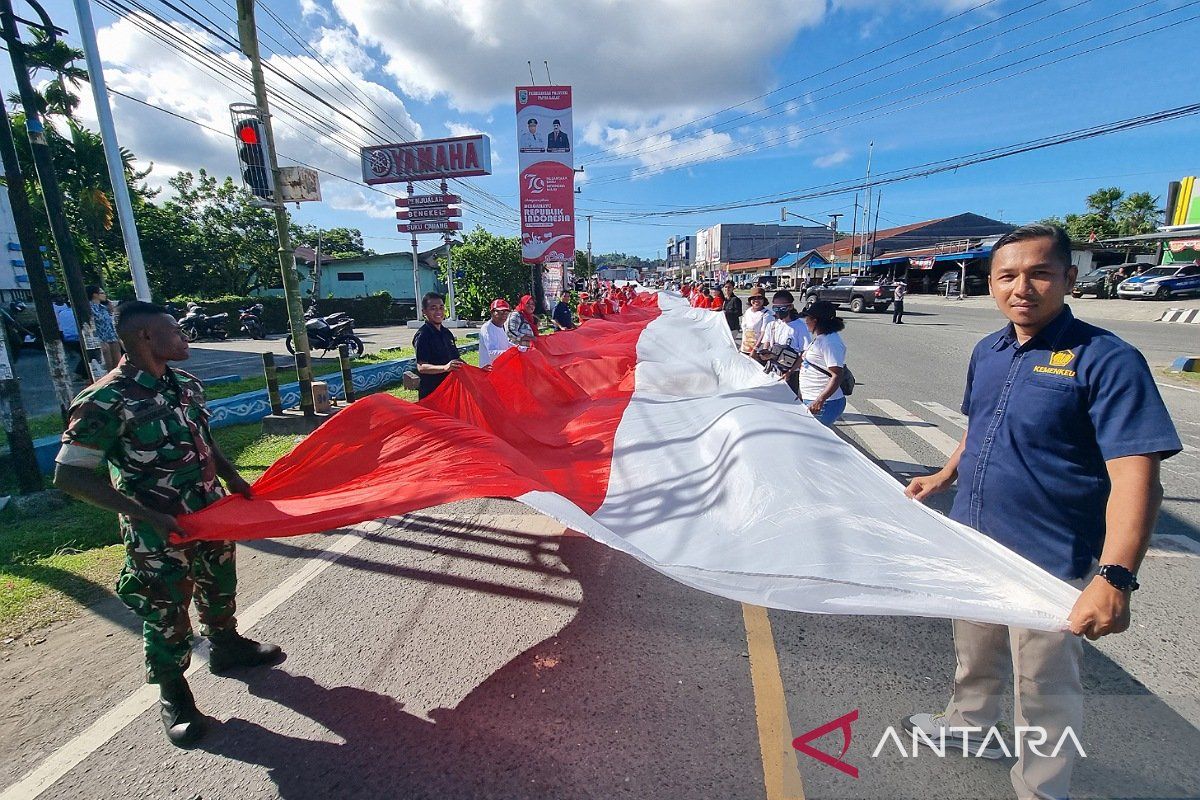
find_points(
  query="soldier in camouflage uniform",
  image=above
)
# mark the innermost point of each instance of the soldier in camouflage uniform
(148, 424)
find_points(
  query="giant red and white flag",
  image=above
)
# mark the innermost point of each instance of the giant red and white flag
(649, 432)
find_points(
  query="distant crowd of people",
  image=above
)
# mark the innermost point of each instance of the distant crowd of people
(804, 348)
(437, 353)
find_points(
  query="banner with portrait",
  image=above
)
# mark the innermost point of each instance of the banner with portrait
(546, 164)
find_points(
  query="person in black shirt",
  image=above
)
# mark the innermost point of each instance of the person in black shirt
(732, 307)
(437, 354)
(563, 320)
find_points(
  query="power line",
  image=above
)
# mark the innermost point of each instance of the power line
(949, 165)
(921, 98)
(825, 71)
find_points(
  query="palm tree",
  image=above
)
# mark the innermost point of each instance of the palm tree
(1104, 201)
(1138, 213)
(57, 57)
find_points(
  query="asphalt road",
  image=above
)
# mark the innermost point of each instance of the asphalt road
(471, 651)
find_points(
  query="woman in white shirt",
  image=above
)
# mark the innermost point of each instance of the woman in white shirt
(754, 322)
(822, 364)
(493, 337)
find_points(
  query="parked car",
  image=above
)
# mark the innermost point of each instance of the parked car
(1095, 282)
(948, 285)
(767, 281)
(859, 292)
(1160, 283)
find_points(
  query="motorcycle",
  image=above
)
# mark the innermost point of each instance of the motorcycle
(197, 325)
(328, 333)
(251, 320)
(18, 335)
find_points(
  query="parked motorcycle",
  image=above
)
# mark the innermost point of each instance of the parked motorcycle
(251, 320)
(328, 333)
(197, 325)
(18, 335)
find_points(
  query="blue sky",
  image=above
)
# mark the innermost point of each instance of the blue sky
(652, 77)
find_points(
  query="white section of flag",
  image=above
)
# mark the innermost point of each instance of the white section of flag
(722, 481)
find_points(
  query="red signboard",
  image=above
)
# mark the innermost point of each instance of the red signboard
(428, 160)
(432, 226)
(422, 200)
(432, 212)
(546, 162)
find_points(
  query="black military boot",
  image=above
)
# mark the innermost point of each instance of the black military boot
(231, 650)
(183, 722)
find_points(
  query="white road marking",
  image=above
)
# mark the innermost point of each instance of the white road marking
(948, 414)
(944, 444)
(895, 459)
(1172, 545)
(67, 757)
(1180, 388)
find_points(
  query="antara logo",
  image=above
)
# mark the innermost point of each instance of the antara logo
(963, 741)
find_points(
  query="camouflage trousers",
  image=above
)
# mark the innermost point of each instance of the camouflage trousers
(158, 582)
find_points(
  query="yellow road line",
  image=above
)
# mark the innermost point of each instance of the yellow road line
(780, 773)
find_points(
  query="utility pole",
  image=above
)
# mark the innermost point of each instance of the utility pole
(447, 237)
(833, 225)
(31, 253)
(590, 270)
(43, 163)
(248, 37)
(112, 152)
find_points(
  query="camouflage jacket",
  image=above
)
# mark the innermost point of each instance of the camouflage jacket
(152, 432)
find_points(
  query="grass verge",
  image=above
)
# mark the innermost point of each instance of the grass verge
(1189, 378)
(58, 555)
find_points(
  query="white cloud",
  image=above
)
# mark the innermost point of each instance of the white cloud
(311, 8)
(832, 159)
(137, 65)
(462, 129)
(628, 60)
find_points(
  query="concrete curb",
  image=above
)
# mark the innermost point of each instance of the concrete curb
(253, 406)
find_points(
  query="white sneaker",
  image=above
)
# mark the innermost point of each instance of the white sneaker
(990, 743)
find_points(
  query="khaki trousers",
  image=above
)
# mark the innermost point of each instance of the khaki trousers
(1048, 694)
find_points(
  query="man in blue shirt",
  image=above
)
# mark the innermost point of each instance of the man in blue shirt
(562, 318)
(1060, 463)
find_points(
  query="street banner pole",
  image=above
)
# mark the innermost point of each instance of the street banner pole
(248, 37)
(449, 268)
(112, 151)
(416, 269)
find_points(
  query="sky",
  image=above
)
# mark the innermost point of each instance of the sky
(679, 104)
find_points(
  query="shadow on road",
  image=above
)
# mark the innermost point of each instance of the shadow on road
(632, 698)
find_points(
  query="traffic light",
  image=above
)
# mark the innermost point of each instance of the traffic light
(253, 153)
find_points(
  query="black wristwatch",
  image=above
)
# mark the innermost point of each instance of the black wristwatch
(1119, 577)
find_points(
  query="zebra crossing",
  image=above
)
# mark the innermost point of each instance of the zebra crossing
(867, 422)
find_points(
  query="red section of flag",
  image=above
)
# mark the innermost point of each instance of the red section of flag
(544, 420)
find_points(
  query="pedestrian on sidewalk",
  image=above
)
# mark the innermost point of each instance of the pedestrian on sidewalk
(1060, 463)
(110, 348)
(147, 423)
(898, 302)
(68, 329)
(823, 362)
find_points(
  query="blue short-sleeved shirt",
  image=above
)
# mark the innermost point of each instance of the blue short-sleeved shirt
(1043, 418)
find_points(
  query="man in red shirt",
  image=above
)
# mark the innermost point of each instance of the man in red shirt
(717, 302)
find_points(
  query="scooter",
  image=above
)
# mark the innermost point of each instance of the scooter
(197, 325)
(251, 320)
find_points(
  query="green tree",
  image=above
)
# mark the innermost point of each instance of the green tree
(335, 242)
(1138, 213)
(486, 266)
(57, 97)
